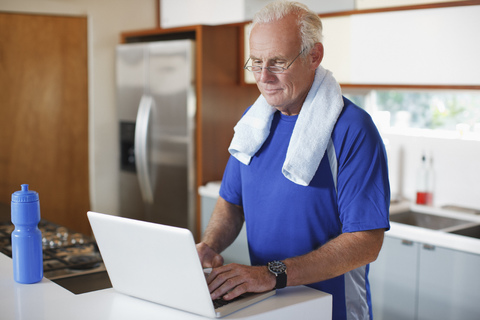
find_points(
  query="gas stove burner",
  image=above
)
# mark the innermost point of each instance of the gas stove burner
(66, 254)
(83, 262)
(6, 229)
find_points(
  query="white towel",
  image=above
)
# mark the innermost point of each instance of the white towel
(310, 136)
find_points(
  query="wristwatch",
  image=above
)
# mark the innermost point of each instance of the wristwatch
(279, 269)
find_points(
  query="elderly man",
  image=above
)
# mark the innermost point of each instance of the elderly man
(307, 174)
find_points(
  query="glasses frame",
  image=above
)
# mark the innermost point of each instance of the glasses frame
(277, 70)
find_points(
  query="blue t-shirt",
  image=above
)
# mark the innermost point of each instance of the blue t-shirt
(285, 220)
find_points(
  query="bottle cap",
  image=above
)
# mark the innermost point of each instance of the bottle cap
(25, 195)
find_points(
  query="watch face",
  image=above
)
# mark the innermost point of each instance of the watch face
(277, 267)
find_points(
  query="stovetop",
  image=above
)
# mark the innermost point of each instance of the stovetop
(64, 253)
(69, 258)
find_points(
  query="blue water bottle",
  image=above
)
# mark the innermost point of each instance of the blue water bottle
(27, 254)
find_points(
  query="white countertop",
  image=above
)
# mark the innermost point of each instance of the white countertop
(47, 300)
(435, 237)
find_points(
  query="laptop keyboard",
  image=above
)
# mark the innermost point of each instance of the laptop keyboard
(220, 302)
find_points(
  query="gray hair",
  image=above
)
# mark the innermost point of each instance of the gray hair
(308, 21)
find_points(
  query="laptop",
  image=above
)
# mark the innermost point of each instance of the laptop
(158, 263)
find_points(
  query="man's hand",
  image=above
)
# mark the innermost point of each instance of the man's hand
(233, 279)
(208, 257)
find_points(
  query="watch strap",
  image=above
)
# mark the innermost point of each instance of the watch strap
(281, 281)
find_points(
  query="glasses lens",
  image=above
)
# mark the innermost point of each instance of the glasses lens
(254, 68)
(274, 69)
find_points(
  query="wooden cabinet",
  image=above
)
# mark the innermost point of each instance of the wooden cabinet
(44, 114)
(221, 100)
(413, 280)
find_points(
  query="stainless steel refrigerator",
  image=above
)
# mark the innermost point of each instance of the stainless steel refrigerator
(156, 110)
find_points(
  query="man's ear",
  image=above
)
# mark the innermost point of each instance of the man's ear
(316, 55)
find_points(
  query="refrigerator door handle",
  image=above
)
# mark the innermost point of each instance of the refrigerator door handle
(141, 147)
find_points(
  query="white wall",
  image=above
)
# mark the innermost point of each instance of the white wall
(455, 163)
(107, 19)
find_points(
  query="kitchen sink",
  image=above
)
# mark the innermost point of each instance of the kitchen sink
(473, 231)
(425, 220)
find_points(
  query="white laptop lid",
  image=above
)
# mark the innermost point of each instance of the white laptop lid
(158, 263)
(153, 262)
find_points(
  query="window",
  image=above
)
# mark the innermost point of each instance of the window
(439, 110)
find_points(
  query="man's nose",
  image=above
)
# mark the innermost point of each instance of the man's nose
(266, 76)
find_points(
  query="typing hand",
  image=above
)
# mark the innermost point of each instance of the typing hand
(208, 257)
(233, 279)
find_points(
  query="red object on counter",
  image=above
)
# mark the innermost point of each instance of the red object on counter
(425, 198)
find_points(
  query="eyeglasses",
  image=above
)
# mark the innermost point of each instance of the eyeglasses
(272, 69)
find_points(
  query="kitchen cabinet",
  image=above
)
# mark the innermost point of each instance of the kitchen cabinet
(361, 45)
(415, 280)
(374, 4)
(175, 13)
(44, 113)
(410, 44)
(393, 279)
(448, 284)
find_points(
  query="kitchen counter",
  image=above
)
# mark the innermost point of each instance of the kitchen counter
(435, 237)
(423, 270)
(47, 300)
